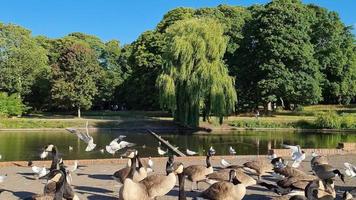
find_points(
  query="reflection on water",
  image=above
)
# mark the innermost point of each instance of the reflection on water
(27, 145)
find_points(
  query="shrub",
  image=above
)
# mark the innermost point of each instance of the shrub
(348, 121)
(328, 119)
(10, 105)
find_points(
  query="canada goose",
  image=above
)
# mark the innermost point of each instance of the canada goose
(115, 145)
(258, 167)
(320, 190)
(191, 153)
(326, 171)
(181, 180)
(232, 151)
(294, 197)
(139, 173)
(85, 137)
(318, 160)
(347, 196)
(197, 173)
(224, 175)
(272, 156)
(158, 184)
(350, 170)
(278, 162)
(132, 190)
(297, 154)
(232, 190)
(289, 171)
(55, 156)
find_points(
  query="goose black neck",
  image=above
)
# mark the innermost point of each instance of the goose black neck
(181, 179)
(139, 161)
(133, 168)
(208, 164)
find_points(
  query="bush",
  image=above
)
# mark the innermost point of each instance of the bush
(348, 121)
(328, 119)
(10, 105)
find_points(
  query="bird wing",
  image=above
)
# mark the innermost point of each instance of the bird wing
(109, 149)
(82, 136)
(291, 147)
(90, 146)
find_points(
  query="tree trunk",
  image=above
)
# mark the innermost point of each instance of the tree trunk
(79, 114)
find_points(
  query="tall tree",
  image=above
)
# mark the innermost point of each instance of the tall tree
(75, 75)
(334, 49)
(194, 75)
(22, 60)
(276, 60)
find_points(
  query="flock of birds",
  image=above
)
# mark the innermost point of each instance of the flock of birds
(227, 182)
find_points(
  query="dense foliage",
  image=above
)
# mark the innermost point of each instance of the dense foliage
(284, 52)
(10, 105)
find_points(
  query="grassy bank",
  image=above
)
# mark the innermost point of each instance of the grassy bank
(310, 117)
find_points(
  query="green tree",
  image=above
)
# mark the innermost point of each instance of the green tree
(334, 49)
(194, 75)
(22, 60)
(276, 60)
(75, 76)
(11, 105)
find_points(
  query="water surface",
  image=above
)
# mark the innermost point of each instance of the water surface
(27, 145)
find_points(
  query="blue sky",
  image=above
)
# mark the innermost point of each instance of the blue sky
(123, 20)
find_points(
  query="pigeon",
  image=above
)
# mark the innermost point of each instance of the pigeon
(85, 137)
(191, 153)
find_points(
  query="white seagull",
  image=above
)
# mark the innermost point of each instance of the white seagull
(350, 170)
(224, 163)
(85, 137)
(2, 178)
(191, 153)
(115, 145)
(161, 152)
(297, 154)
(232, 150)
(40, 171)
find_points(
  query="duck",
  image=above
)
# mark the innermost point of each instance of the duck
(326, 171)
(223, 175)
(226, 190)
(258, 167)
(132, 190)
(159, 185)
(197, 173)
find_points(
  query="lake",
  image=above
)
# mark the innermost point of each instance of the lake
(27, 145)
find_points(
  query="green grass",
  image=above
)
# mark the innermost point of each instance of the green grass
(305, 118)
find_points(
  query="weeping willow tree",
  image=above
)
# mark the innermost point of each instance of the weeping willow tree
(194, 76)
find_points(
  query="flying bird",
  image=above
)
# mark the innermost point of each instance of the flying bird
(85, 137)
(297, 154)
(118, 144)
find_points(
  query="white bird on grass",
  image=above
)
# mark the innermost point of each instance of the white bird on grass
(2, 178)
(297, 154)
(350, 170)
(191, 153)
(40, 171)
(232, 150)
(115, 145)
(224, 163)
(161, 152)
(85, 137)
